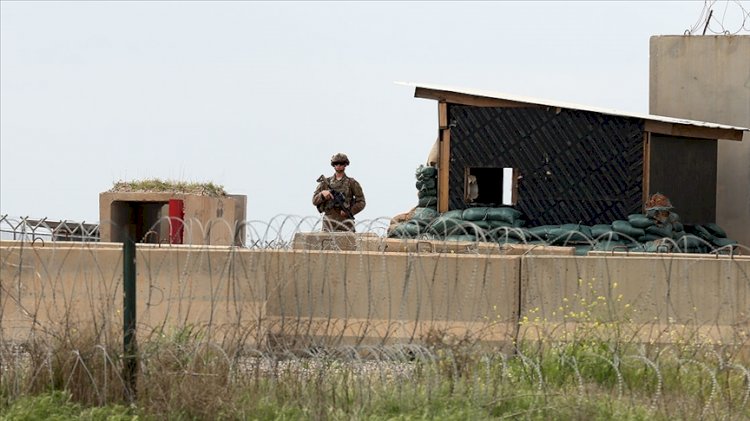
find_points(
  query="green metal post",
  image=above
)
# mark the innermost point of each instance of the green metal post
(128, 311)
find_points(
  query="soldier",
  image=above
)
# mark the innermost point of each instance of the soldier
(339, 197)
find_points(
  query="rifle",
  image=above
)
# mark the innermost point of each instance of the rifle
(338, 198)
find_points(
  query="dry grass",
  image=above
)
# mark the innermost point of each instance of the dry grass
(169, 186)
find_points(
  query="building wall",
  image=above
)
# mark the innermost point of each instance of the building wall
(574, 166)
(707, 78)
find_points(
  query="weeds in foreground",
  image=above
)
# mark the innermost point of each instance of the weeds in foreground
(589, 368)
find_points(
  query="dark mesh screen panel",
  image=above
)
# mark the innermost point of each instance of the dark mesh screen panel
(575, 166)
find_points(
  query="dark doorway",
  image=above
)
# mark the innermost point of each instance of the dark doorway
(142, 221)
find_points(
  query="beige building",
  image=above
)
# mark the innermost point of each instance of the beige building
(708, 78)
(172, 218)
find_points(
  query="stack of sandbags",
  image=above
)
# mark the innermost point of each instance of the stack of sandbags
(416, 225)
(478, 224)
(703, 238)
(427, 187)
(570, 235)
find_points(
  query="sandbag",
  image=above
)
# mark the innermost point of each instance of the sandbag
(405, 230)
(499, 224)
(689, 241)
(702, 232)
(624, 227)
(443, 226)
(542, 231)
(425, 214)
(428, 202)
(721, 242)
(640, 221)
(424, 172)
(603, 232)
(583, 250)
(566, 235)
(521, 234)
(506, 214)
(427, 193)
(715, 230)
(429, 184)
(662, 231)
(469, 227)
(474, 214)
(453, 214)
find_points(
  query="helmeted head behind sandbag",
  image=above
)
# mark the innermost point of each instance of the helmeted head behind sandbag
(658, 207)
(339, 157)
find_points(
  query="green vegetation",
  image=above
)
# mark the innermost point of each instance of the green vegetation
(588, 368)
(157, 185)
(183, 376)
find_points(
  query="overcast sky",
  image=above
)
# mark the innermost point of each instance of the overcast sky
(258, 96)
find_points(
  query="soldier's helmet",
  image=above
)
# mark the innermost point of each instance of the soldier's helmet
(340, 157)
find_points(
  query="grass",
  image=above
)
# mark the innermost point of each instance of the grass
(594, 372)
(158, 185)
(185, 377)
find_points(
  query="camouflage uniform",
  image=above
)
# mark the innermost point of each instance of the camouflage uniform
(354, 199)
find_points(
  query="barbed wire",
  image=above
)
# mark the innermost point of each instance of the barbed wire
(708, 21)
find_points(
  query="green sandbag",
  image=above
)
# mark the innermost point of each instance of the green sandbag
(426, 193)
(702, 232)
(721, 242)
(542, 231)
(661, 231)
(583, 229)
(502, 214)
(428, 184)
(428, 202)
(600, 229)
(583, 250)
(677, 226)
(474, 214)
(443, 226)
(658, 247)
(649, 237)
(424, 215)
(715, 230)
(499, 224)
(603, 232)
(566, 236)
(640, 221)
(516, 233)
(518, 223)
(689, 241)
(469, 227)
(405, 230)
(624, 227)
(426, 172)
(453, 214)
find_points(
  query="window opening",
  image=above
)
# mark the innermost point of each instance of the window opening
(489, 186)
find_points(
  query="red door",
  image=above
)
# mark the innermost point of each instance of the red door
(176, 220)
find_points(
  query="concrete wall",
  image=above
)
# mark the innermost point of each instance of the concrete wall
(707, 78)
(334, 297)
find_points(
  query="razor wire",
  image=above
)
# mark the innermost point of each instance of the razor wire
(279, 309)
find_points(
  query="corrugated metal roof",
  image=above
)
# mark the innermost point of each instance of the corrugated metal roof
(559, 104)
